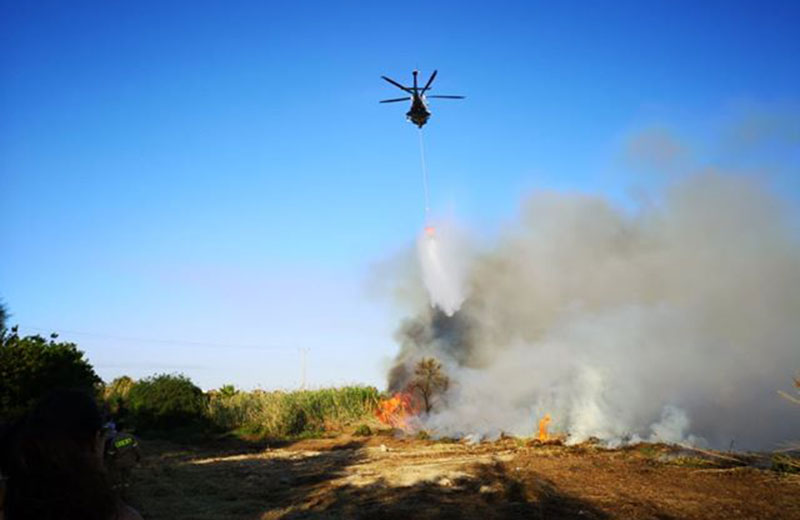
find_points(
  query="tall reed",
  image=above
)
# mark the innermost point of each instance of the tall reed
(279, 413)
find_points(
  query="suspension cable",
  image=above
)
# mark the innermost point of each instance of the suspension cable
(424, 178)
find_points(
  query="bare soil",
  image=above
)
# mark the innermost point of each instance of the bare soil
(386, 477)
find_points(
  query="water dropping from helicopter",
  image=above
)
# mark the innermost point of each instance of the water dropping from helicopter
(438, 249)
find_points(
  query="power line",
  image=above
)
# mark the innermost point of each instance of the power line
(156, 340)
(150, 366)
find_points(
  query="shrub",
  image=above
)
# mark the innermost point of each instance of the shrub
(292, 420)
(31, 366)
(363, 430)
(165, 402)
(785, 463)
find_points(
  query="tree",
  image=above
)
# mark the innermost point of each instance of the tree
(3, 319)
(120, 386)
(31, 366)
(165, 402)
(429, 380)
(228, 391)
(115, 394)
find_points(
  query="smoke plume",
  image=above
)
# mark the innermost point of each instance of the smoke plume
(676, 322)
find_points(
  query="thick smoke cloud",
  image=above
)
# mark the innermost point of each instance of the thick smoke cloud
(676, 322)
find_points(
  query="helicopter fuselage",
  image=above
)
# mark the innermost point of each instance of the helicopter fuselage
(419, 113)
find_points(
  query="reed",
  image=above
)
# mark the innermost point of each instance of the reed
(282, 414)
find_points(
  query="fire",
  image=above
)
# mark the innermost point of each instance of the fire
(396, 410)
(430, 231)
(543, 435)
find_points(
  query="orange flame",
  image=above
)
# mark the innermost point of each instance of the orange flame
(543, 435)
(396, 410)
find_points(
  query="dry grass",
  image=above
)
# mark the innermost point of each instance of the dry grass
(388, 477)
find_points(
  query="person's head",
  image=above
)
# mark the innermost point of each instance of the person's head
(52, 459)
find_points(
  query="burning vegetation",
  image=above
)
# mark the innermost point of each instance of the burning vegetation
(543, 434)
(428, 384)
(396, 411)
(623, 325)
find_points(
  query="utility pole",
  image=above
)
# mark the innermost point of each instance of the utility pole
(303, 355)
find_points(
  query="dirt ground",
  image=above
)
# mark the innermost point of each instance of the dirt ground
(385, 477)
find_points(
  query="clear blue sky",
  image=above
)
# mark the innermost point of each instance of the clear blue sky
(221, 172)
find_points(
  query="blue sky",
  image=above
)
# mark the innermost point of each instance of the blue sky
(221, 173)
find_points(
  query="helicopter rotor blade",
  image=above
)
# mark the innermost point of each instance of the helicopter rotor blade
(396, 84)
(395, 100)
(446, 97)
(428, 84)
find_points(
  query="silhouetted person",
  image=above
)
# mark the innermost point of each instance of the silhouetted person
(52, 463)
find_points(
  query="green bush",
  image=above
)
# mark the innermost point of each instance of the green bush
(363, 430)
(31, 366)
(166, 402)
(785, 463)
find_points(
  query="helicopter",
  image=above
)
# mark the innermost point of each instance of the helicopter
(419, 113)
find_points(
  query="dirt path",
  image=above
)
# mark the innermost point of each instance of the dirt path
(381, 477)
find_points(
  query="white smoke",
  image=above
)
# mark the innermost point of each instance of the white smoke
(674, 323)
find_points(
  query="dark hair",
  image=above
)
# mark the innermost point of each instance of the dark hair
(50, 461)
